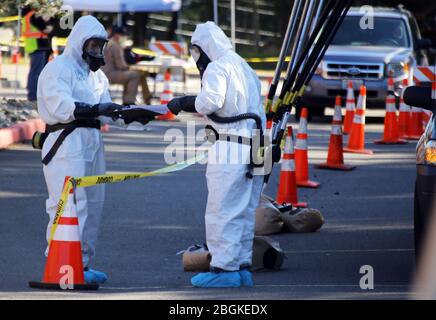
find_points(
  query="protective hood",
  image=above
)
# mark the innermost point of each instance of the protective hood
(86, 27)
(211, 39)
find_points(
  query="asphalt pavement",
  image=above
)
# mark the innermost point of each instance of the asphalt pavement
(368, 214)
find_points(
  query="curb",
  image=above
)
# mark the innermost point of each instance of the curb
(21, 131)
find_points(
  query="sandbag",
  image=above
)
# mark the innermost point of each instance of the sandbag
(302, 220)
(196, 258)
(267, 254)
(268, 219)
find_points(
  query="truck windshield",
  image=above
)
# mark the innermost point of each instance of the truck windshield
(390, 32)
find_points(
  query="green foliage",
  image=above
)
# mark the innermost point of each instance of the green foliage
(48, 8)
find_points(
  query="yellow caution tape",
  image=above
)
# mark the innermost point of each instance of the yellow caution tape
(144, 52)
(8, 19)
(11, 44)
(88, 181)
(61, 42)
(268, 59)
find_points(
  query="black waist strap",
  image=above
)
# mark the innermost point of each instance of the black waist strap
(212, 136)
(67, 129)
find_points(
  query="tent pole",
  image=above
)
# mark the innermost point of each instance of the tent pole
(232, 23)
(119, 19)
(215, 11)
(17, 49)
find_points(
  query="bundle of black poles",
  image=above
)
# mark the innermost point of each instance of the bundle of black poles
(308, 36)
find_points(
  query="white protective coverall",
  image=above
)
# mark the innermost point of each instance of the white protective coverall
(63, 81)
(229, 88)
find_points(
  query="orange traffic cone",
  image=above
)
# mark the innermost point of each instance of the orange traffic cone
(426, 115)
(404, 117)
(166, 97)
(16, 56)
(335, 157)
(415, 126)
(390, 133)
(64, 266)
(301, 158)
(350, 106)
(356, 142)
(287, 192)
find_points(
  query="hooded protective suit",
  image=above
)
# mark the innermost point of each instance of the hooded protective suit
(229, 88)
(65, 80)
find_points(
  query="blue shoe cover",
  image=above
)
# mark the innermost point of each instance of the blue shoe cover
(246, 278)
(217, 280)
(94, 276)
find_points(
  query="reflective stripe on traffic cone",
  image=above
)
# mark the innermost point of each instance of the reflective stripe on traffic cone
(390, 132)
(287, 191)
(404, 117)
(415, 126)
(356, 142)
(350, 106)
(335, 157)
(301, 157)
(64, 265)
(166, 96)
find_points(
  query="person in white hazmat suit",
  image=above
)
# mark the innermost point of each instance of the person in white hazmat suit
(72, 99)
(229, 87)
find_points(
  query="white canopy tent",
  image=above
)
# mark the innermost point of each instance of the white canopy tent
(124, 5)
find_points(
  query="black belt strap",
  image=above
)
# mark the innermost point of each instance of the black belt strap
(67, 129)
(212, 136)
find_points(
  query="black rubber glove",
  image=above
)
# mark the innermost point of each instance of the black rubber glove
(86, 111)
(185, 103)
(143, 117)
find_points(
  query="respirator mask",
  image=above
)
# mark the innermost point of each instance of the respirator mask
(93, 52)
(200, 57)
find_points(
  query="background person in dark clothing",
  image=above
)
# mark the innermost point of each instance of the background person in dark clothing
(36, 30)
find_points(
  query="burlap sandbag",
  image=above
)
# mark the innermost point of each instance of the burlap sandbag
(268, 220)
(267, 255)
(302, 220)
(196, 258)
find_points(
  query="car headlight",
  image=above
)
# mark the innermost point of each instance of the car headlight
(430, 153)
(397, 69)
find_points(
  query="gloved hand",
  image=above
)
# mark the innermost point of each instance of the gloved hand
(185, 103)
(143, 120)
(86, 111)
(142, 116)
(107, 109)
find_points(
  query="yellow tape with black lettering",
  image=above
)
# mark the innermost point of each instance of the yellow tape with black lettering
(88, 181)
(268, 59)
(8, 19)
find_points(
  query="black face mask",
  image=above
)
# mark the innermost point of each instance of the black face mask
(93, 53)
(200, 57)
